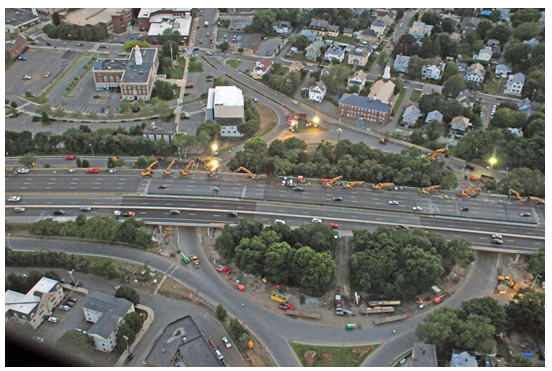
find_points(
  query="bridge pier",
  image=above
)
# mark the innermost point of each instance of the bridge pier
(517, 257)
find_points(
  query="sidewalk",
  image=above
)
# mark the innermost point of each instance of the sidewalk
(145, 327)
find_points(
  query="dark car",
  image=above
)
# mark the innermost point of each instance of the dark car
(464, 209)
(162, 186)
(401, 226)
(59, 212)
(338, 198)
(300, 189)
(209, 80)
(102, 110)
(72, 299)
(49, 44)
(175, 212)
(85, 208)
(470, 167)
(69, 303)
(525, 214)
(80, 44)
(116, 110)
(128, 213)
(63, 280)
(78, 284)
(232, 213)
(129, 358)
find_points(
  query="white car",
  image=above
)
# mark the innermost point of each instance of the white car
(393, 202)
(498, 236)
(53, 320)
(14, 199)
(72, 170)
(117, 213)
(112, 170)
(80, 330)
(65, 307)
(19, 209)
(117, 287)
(27, 77)
(23, 171)
(226, 342)
(417, 208)
(316, 220)
(279, 221)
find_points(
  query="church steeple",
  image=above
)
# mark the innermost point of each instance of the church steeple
(387, 73)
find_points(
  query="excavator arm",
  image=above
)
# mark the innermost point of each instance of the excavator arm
(352, 184)
(185, 171)
(331, 182)
(212, 174)
(540, 201)
(148, 170)
(467, 192)
(516, 193)
(442, 150)
(381, 185)
(168, 171)
(251, 175)
(425, 191)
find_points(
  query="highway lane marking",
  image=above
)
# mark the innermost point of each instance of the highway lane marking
(356, 202)
(529, 233)
(215, 215)
(51, 183)
(25, 183)
(72, 187)
(450, 225)
(264, 219)
(121, 183)
(378, 203)
(353, 196)
(483, 238)
(48, 187)
(23, 188)
(537, 243)
(456, 235)
(191, 214)
(476, 228)
(72, 183)
(143, 212)
(510, 240)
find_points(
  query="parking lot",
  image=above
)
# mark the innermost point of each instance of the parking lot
(271, 44)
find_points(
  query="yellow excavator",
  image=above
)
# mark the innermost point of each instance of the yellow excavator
(442, 150)
(381, 185)
(148, 170)
(251, 175)
(185, 171)
(515, 193)
(168, 171)
(385, 139)
(540, 201)
(467, 192)
(352, 184)
(425, 191)
(305, 143)
(332, 181)
(331, 144)
(212, 173)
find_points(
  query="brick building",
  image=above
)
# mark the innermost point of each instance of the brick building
(114, 20)
(15, 46)
(364, 108)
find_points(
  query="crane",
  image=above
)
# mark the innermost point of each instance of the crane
(168, 171)
(425, 191)
(212, 173)
(185, 171)
(148, 170)
(332, 181)
(442, 150)
(381, 185)
(516, 193)
(467, 192)
(251, 175)
(351, 184)
(540, 201)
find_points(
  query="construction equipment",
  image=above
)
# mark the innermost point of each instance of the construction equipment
(385, 139)
(425, 191)
(381, 185)
(376, 310)
(185, 171)
(398, 317)
(305, 143)
(467, 192)
(294, 314)
(332, 181)
(278, 297)
(439, 299)
(506, 281)
(212, 173)
(384, 303)
(331, 144)
(442, 150)
(148, 170)
(540, 201)
(516, 193)
(168, 171)
(184, 257)
(353, 326)
(251, 175)
(351, 184)
(114, 158)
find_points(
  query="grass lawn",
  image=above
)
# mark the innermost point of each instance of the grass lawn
(297, 57)
(233, 63)
(195, 65)
(415, 96)
(334, 356)
(177, 72)
(399, 100)
(343, 39)
(176, 93)
(413, 19)
(494, 87)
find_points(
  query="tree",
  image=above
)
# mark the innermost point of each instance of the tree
(88, 34)
(13, 104)
(517, 54)
(209, 127)
(129, 293)
(501, 33)
(415, 65)
(99, 32)
(55, 19)
(163, 90)
(125, 335)
(301, 42)
(454, 85)
(537, 264)
(52, 275)
(448, 25)
(417, 137)
(495, 15)
(134, 321)
(506, 118)
(50, 30)
(526, 310)
(431, 102)
(85, 163)
(262, 22)
(399, 14)
(519, 361)
(434, 130)
(525, 15)
(429, 48)
(483, 27)
(28, 160)
(249, 128)
(487, 307)
(66, 31)
(383, 58)
(221, 312)
(399, 84)
(407, 45)
(336, 79)
(224, 46)
(170, 49)
(450, 70)
(431, 18)
(240, 50)
(527, 31)
(58, 112)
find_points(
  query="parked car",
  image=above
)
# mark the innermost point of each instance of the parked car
(160, 158)
(14, 199)
(279, 221)
(70, 303)
(22, 58)
(47, 74)
(226, 342)
(215, 189)
(64, 307)
(300, 189)
(80, 44)
(53, 320)
(464, 209)
(470, 167)
(219, 354)
(296, 102)
(70, 157)
(73, 299)
(286, 306)
(162, 186)
(49, 44)
(401, 226)
(27, 77)
(222, 269)
(99, 89)
(117, 213)
(63, 280)
(496, 235)
(302, 114)
(525, 214)
(93, 170)
(498, 241)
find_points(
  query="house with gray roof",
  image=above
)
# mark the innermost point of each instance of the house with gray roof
(515, 83)
(423, 355)
(462, 359)
(469, 23)
(363, 108)
(533, 42)
(459, 126)
(313, 50)
(462, 67)
(502, 70)
(494, 45)
(433, 68)
(379, 28)
(505, 14)
(334, 53)
(475, 72)
(411, 115)
(466, 98)
(333, 31)
(430, 89)
(485, 54)
(368, 35)
(348, 32)
(311, 35)
(527, 106)
(358, 57)
(401, 63)
(434, 115)
(106, 312)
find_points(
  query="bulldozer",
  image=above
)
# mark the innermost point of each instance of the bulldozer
(185, 171)
(352, 184)
(385, 139)
(515, 193)
(506, 281)
(168, 171)
(467, 192)
(212, 173)
(331, 144)
(332, 181)
(425, 191)
(540, 201)
(251, 175)
(442, 150)
(148, 170)
(381, 185)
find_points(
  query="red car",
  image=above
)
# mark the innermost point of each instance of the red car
(97, 96)
(334, 225)
(213, 345)
(286, 306)
(400, 226)
(74, 300)
(221, 269)
(160, 158)
(128, 213)
(162, 186)
(93, 170)
(303, 114)
(70, 157)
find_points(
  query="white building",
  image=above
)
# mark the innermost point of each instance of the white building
(484, 54)
(475, 72)
(358, 79)
(515, 83)
(401, 63)
(282, 27)
(225, 102)
(230, 131)
(334, 53)
(411, 115)
(433, 69)
(318, 91)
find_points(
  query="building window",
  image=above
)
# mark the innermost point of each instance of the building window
(105, 78)
(110, 78)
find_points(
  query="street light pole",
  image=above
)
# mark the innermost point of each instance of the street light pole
(9, 245)
(90, 145)
(180, 153)
(338, 134)
(71, 274)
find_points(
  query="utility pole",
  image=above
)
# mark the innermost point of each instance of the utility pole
(338, 134)
(90, 145)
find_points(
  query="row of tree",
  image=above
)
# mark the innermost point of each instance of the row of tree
(283, 80)
(301, 258)
(352, 161)
(66, 31)
(403, 263)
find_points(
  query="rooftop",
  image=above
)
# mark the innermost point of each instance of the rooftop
(423, 355)
(18, 17)
(25, 303)
(180, 24)
(112, 309)
(227, 96)
(240, 22)
(137, 66)
(364, 102)
(11, 43)
(92, 16)
(146, 12)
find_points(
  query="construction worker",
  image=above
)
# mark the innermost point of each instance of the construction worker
(243, 304)
(393, 331)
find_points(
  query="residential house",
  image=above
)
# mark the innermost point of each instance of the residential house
(383, 89)
(348, 32)
(462, 359)
(476, 73)
(515, 83)
(320, 26)
(434, 115)
(433, 68)
(379, 28)
(494, 45)
(106, 312)
(455, 36)
(484, 54)
(369, 36)
(358, 57)
(313, 50)
(459, 126)
(430, 89)
(502, 70)
(282, 27)
(462, 67)
(229, 128)
(34, 306)
(262, 68)
(296, 67)
(411, 115)
(160, 130)
(318, 91)
(333, 31)
(466, 98)
(505, 14)
(401, 63)
(420, 29)
(358, 79)
(469, 23)
(387, 17)
(423, 355)
(527, 106)
(533, 42)
(311, 35)
(363, 108)
(516, 131)
(334, 53)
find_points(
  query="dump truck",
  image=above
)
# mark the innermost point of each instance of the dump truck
(294, 314)
(398, 317)
(376, 310)
(184, 257)
(383, 303)
(279, 297)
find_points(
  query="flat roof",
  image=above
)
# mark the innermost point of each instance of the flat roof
(17, 17)
(227, 96)
(146, 12)
(182, 24)
(161, 128)
(133, 72)
(249, 40)
(240, 22)
(92, 16)
(11, 43)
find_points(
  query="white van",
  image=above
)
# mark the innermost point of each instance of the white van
(279, 221)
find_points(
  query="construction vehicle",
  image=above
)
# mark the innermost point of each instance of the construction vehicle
(376, 310)
(236, 282)
(305, 143)
(251, 175)
(516, 193)
(385, 139)
(425, 191)
(195, 260)
(114, 158)
(332, 181)
(351, 184)
(506, 281)
(168, 171)
(384, 303)
(278, 297)
(185, 171)
(353, 326)
(184, 257)
(212, 173)
(148, 170)
(501, 289)
(331, 144)
(467, 192)
(294, 314)
(540, 201)
(381, 185)
(398, 317)
(439, 299)
(442, 150)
